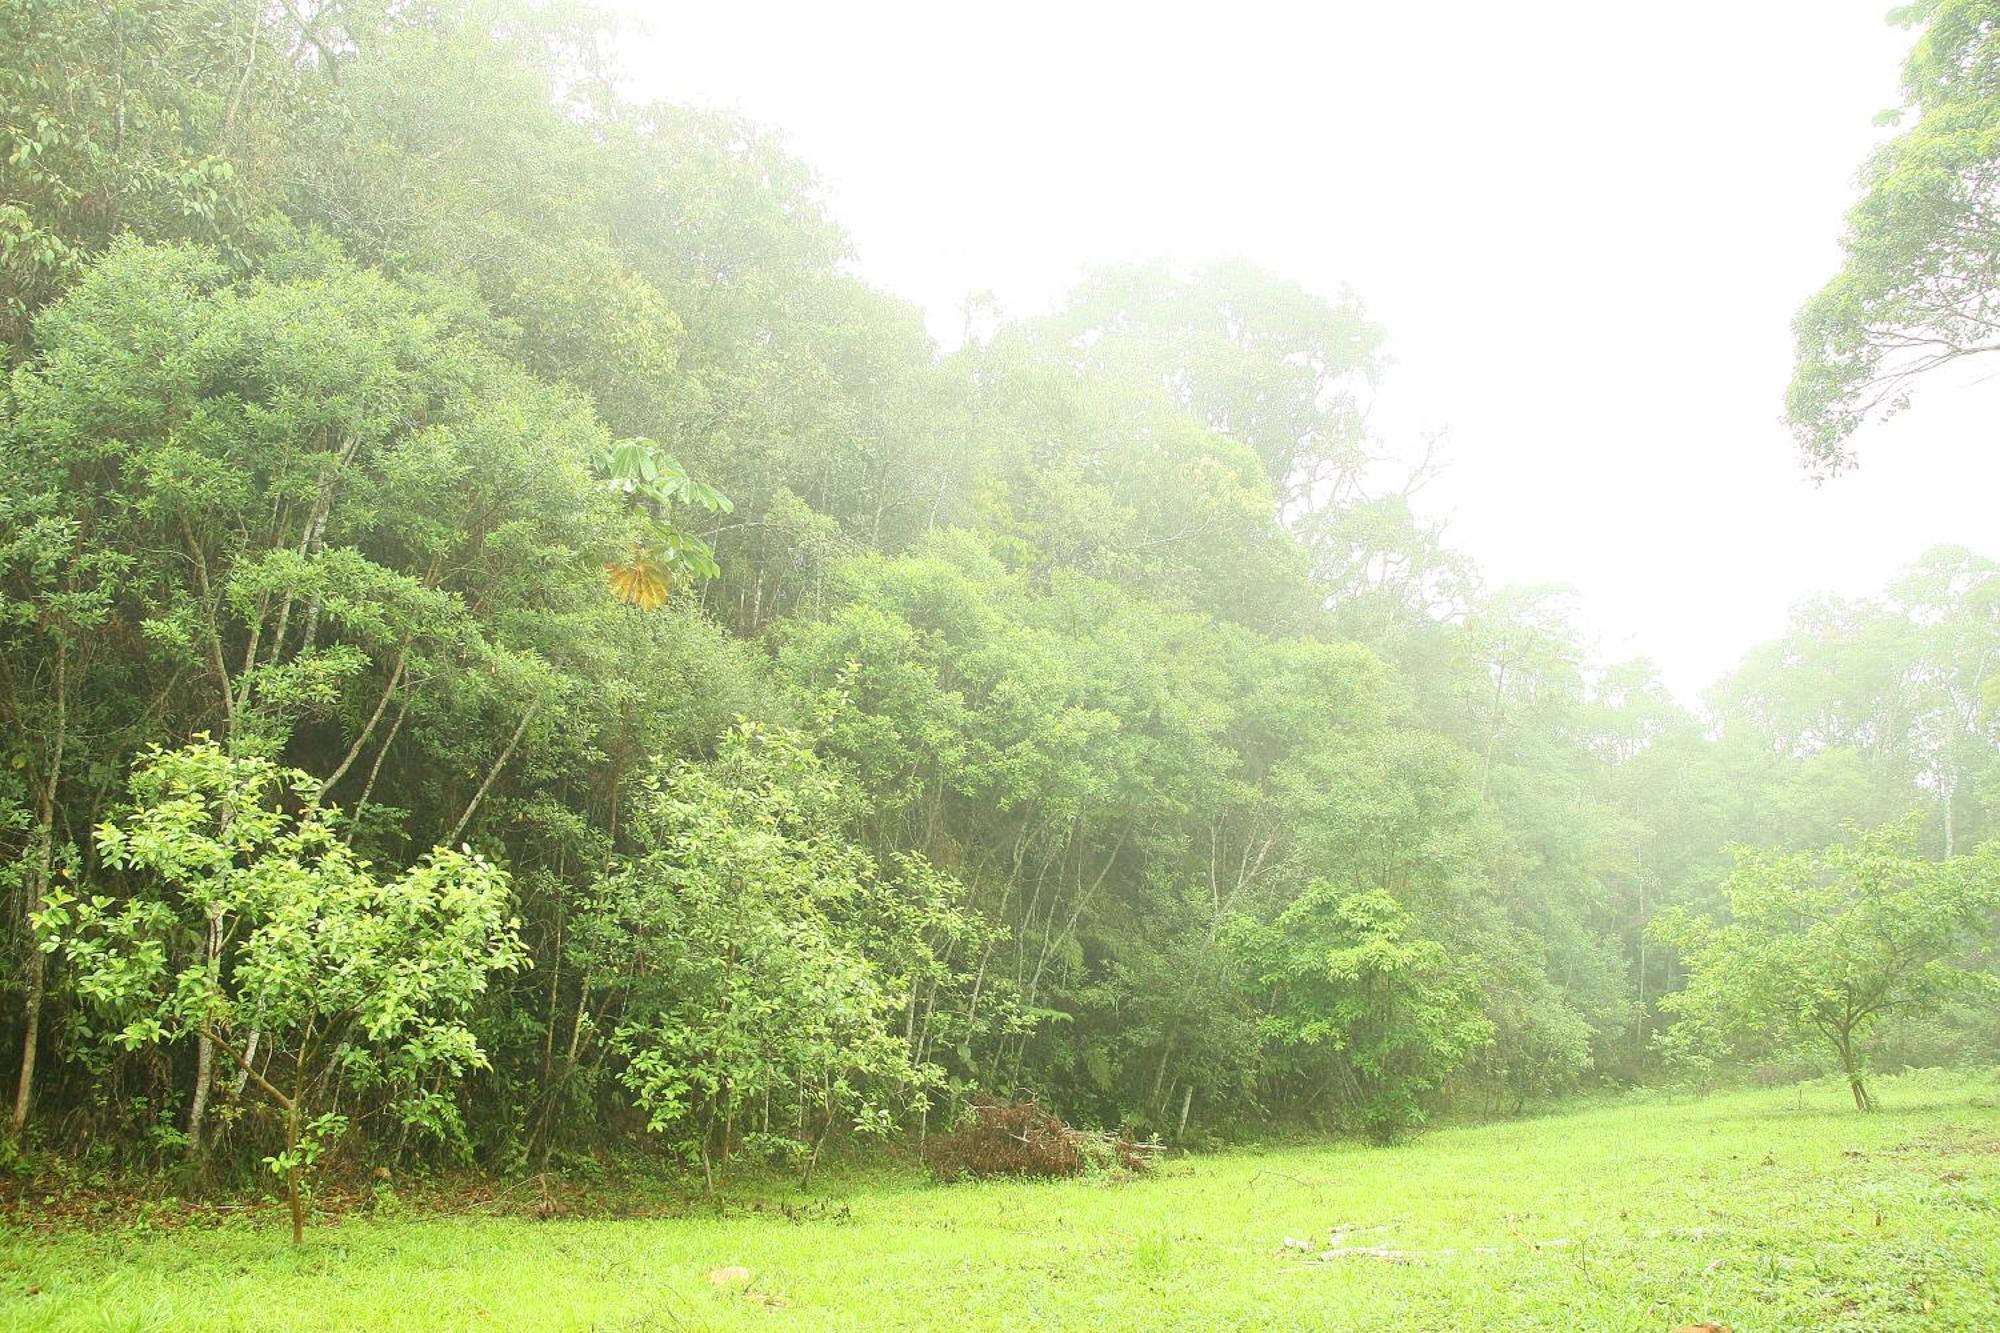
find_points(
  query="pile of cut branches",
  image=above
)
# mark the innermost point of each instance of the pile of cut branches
(1026, 1139)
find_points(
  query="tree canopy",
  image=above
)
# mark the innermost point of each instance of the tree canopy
(1921, 267)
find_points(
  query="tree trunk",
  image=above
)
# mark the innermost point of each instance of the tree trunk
(819, 1143)
(204, 1050)
(494, 772)
(292, 1174)
(38, 887)
(24, 1090)
(1863, 1100)
(204, 1068)
(294, 1113)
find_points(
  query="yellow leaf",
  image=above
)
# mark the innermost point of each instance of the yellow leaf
(642, 581)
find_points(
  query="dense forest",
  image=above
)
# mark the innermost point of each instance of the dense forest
(510, 652)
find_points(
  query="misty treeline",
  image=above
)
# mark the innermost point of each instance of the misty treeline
(509, 651)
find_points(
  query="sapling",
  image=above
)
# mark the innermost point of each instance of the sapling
(348, 979)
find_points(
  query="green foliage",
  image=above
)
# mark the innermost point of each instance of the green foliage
(247, 924)
(1369, 1015)
(120, 117)
(1865, 710)
(653, 482)
(1245, 354)
(1819, 948)
(1916, 289)
(1082, 714)
(733, 947)
(1541, 1044)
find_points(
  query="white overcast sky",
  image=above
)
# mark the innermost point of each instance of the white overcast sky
(1586, 226)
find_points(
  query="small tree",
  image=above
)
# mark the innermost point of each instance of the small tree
(735, 936)
(250, 924)
(1541, 1045)
(1370, 1013)
(1821, 946)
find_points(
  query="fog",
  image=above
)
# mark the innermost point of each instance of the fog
(1586, 228)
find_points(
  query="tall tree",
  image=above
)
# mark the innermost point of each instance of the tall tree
(1920, 285)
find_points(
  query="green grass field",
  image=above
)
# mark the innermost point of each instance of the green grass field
(1767, 1210)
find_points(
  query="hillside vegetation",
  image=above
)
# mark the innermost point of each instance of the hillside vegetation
(513, 657)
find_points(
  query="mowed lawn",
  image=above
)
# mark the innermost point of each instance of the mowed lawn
(1765, 1210)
